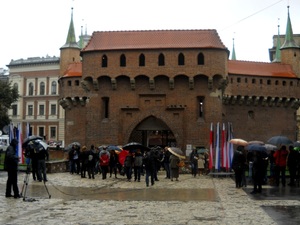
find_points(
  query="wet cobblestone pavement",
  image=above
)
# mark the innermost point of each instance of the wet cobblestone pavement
(200, 200)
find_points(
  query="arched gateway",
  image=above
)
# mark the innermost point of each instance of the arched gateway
(153, 132)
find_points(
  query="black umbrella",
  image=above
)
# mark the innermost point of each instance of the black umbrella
(256, 147)
(280, 140)
(69, 147)
(133, 146)
(29, 139)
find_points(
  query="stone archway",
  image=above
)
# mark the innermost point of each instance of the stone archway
(153, 132)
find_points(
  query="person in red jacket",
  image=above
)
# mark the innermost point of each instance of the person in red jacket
(280, 158)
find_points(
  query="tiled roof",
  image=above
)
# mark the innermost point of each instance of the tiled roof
(260, 69)
(74, 70)
(157, 39)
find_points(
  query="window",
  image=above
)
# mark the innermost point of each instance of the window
(41, 131)
(42, 88)
(261, 81)
(52, 109)
(52, 132)
(41, 110)
(161, 60)
(142, 60)
(14, 110)
(238, 80)
(69, 83)
(76, 82)
(276, 82)
(180, 59)
(122, 60)
(253, 81)
(246, 80)
(104, 61)
(283, 83)
(16, 86)
(268, 82)
(200, 59)
(200, 106)
(250, 114)
(30, 88)
(105, 103)
(53, 87)
(30, 110)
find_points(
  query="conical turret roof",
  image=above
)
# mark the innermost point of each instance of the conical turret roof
(71, 38)
(289, 39)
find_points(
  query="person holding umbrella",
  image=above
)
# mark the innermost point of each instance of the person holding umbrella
(238, 165)
(174, 167)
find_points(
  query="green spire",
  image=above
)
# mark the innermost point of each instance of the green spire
(289, 39)
(71, 39)
(277, 53)
(233, 56)
(81, 39)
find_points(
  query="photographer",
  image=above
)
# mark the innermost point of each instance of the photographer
(42, 156)
(11, 166)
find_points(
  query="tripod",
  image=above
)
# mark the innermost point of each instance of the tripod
(25, 186)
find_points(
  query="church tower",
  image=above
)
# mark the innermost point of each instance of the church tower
(70, 51)
(290, 51)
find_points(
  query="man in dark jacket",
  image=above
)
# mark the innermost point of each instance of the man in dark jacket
(11, 166)
(42, 156)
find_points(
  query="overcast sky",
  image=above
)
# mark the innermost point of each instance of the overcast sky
(36, 28)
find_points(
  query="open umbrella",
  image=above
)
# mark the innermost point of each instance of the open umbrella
(280, 140)
(29, 139)
(202, 150)
(270, 147)
(69, 147)
(238, 141)
(256, 142)
(41, 145)
(177, 152)
(114, 148)
(133, 146)
(256, 147)
(296, 144)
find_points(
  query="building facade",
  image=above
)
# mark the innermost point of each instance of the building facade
(168, 87)
(37, 82)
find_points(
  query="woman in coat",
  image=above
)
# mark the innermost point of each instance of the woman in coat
(174, 168)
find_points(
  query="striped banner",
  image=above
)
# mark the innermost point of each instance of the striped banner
(217, 162)
(211, 147)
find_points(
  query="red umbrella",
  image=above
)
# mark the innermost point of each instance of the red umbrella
(122, 156)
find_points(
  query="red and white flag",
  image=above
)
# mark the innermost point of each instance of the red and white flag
(211, 147)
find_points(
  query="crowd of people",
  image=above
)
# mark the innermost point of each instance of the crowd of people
(137, 163)
(257, 162)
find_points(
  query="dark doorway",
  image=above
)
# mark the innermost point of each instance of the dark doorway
(153, 132)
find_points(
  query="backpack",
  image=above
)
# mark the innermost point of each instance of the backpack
(104, 160)
(90, 157)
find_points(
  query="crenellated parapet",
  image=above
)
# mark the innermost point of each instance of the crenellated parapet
(71, 102)
(261, 101)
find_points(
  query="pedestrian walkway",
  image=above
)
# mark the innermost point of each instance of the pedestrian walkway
(75, 200)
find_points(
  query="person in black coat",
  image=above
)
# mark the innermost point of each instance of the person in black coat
(238, 165)
(258, 170)
(194, 156)
(166, 162)
(11, 166)
(292, 162)
(149, 162)
(43, 155)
